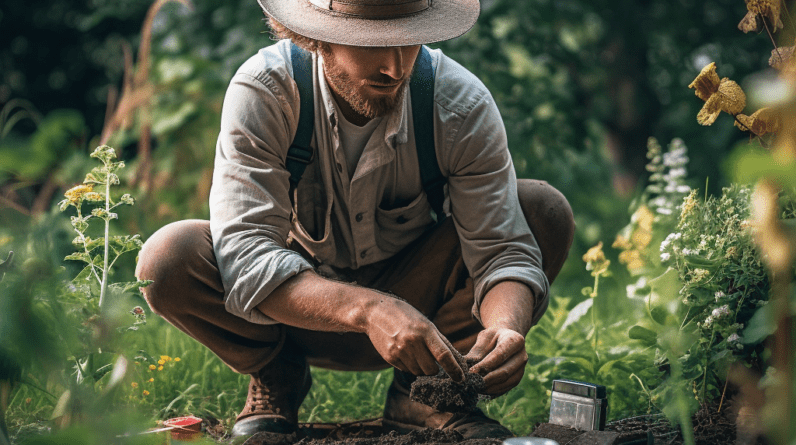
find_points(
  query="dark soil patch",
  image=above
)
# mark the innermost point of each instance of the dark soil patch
(443, 394)
(556, 432)
(711, 427)
(363, 433)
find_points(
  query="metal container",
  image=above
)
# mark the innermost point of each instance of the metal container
(578, 405)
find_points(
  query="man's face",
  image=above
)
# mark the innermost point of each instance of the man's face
(370, 80)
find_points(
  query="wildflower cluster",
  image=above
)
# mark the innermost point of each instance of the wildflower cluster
(723, 281)
(657, 206)
(148, 370)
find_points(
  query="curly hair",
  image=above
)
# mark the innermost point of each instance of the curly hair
(280, 31)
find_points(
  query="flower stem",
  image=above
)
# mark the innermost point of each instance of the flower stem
(104, 283)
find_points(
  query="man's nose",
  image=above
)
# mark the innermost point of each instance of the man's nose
(392, 63)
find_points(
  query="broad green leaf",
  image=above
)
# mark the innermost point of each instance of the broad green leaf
(577, 313)
(61, 406)
(665, 291)
(761, 325)
(78, 256)
(646, 336)
(129, 285)
(83, 276)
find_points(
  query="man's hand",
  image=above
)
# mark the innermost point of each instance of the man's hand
(408, 340)
(506, 312)
(501, 357)
(402, 335)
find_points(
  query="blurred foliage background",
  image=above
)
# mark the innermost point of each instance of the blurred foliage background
(581, 86)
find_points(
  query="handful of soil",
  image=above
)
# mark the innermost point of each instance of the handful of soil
(443, 394)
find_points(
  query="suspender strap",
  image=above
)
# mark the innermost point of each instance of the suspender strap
(422, 88)
(300, 152)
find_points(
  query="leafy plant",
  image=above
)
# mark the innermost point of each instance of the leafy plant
(99, 264)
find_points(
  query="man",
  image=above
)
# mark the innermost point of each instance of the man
(347, 269)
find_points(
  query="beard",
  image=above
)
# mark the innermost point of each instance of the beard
(355, 94)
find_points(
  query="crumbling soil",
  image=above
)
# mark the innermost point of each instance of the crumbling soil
(443, 394)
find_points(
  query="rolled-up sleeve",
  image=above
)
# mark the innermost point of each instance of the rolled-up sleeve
(497, 244)
(249, 202)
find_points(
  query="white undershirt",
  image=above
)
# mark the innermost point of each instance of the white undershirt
(353, 139)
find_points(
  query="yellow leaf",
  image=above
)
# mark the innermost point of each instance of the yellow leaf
(729, 98)
(759, 9)
(707, 82)
(780, 57)
(762, 121)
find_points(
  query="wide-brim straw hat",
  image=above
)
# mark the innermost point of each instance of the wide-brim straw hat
(375, 22)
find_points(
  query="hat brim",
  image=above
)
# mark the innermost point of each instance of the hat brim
(443, 20)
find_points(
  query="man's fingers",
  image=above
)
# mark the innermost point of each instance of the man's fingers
(484, 343)
(506, 371)
(445, 358)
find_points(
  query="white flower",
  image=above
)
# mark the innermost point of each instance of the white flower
(733, 338)
(665, 256)
(687, 251)
(678, 172)
(721, 311)
(708, 322)
(665, 244)
(683, 189)
(719, 295)
(678, 235)
(664, 211)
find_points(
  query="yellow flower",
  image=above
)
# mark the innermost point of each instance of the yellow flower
(632, 258)
(134, 385)
(757, 10)
(151, 379)
(160, 368)
(137, 363)
(762, 121)
(28, 400)
(152, 367)
(146, 393)
(595, 260)
(688, 204)
(622, 243)
(76, 193)
(93, 196)
(644, 218)
(176, 359)
(641, 238)
(161, 362)
(165, 358)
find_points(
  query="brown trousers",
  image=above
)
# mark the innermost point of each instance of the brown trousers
(430, 274)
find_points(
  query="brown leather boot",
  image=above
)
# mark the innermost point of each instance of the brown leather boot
(275, 394)
(403, 415)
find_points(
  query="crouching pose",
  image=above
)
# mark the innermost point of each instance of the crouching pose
(364, 213)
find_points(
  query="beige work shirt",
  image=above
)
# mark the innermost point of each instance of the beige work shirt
(352, 219)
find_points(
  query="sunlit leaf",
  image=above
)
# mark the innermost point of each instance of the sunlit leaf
(762, 121)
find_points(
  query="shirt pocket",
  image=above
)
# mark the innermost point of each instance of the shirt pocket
(311, 221)
(400, 226)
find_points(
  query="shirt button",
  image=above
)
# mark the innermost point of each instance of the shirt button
(363, 254)
(359, 217)
(340, 167)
